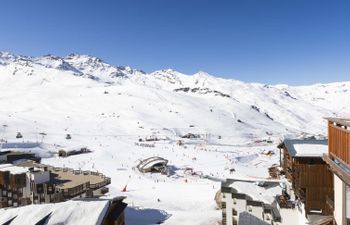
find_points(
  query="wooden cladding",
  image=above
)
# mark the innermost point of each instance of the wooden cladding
(12, 180)
(287, 164)
(312, 182)
(339, 142)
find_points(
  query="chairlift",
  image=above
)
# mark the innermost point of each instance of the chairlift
(19, 135)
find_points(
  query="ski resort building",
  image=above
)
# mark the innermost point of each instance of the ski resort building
(69, 183)
(74, 151)
(338, 160)
(306, 193)
(21, 186)
(153, 165)
(13, 156)
(29, 182)
(311, 181)
(234, 203)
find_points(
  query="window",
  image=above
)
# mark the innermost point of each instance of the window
(234, 212)
(223, 204)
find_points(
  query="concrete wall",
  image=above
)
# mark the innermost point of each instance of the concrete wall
(40, 177)
(257, 211)
(240, 206)
(229, 205)
(26, 189)
(339, 204)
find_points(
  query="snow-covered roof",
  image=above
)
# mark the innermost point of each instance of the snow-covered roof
(306, 148)
(341, 121)
(13, 169)
(73, 212)
(257, 193)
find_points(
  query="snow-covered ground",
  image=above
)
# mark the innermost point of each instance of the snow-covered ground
(109, 108)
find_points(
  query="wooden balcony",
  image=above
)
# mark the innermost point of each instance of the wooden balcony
(339, 139)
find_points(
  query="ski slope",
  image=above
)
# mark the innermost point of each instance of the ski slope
(109, 108)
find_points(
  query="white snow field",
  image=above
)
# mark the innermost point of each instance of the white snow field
(108, 109)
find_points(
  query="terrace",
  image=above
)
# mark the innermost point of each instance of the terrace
(72, 183)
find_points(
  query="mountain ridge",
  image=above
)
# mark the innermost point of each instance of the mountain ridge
(86, 59)
(246, 108)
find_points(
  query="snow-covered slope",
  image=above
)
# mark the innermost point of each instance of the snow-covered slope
(170, 97)
(108, 108)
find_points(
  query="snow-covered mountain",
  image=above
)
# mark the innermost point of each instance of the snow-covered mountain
(166, 98)
(109, 108)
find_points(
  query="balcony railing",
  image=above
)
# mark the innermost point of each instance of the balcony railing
(339, 142)
(338, 167)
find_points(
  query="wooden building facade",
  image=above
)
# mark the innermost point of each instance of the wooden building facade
(11, 189)
(311, 180)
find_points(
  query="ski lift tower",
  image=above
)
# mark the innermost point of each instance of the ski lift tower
(3, 136)
(206, 137)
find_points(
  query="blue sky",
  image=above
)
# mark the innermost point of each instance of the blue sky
(269, 41)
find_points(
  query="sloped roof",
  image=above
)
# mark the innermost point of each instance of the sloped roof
(246, 218)
(73, 212)
(306, 148)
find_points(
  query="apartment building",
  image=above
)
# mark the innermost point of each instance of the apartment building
(338, 160)
(310, 180)
(29, 182)
(21, 186)
(234, 203)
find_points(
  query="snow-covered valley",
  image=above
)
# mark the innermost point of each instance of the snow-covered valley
(109, 108)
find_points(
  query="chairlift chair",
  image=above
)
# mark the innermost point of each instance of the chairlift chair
(19, 135)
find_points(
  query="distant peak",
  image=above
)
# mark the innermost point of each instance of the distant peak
(52, 57)
(202, 74)
(8, 57)
(170, 71)
(84, 57)
(3, 53)
(166, 71)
